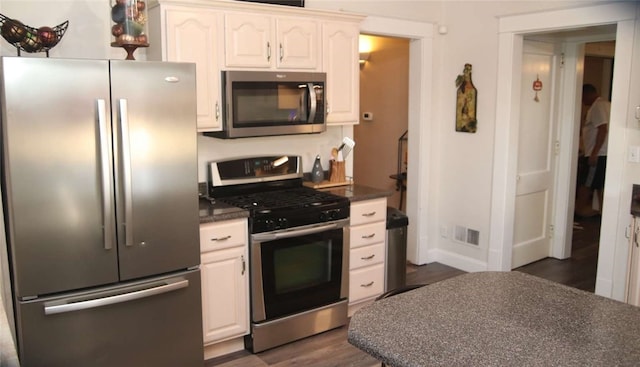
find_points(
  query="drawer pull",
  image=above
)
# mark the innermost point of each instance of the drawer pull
(370, 214)
(221, 238)
(367, 285)
(368, 257)
(369, 236)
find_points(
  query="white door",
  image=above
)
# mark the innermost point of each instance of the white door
(536, 156)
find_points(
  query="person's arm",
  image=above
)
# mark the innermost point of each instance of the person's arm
(600, 138)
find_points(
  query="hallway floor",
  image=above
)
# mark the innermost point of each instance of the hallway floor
(579, 271)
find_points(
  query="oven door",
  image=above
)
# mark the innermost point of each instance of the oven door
(298, 269)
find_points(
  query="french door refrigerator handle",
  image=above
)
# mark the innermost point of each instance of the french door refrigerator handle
(105, 170)
(126, 171)
(120, 298)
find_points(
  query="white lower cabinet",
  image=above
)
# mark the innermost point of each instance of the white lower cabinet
(367, 244)
(225, 280)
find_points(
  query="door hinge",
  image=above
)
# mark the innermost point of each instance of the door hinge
(562, 59)
(556, 147)
(551, 230)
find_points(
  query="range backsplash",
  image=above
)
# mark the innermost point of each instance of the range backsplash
(306, 146)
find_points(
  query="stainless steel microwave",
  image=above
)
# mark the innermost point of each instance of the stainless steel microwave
(264, 103)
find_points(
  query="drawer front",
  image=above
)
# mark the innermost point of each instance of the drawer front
(368, 211)
(367, 255)
(366, 283)
(367, 234)
(221, 235)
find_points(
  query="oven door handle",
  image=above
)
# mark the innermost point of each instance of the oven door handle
(270, 236)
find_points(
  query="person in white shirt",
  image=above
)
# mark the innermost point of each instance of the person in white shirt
(595, 135)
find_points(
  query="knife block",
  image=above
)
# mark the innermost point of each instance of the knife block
(337, 171)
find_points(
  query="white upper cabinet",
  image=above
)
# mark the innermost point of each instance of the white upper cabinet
(237, 35)
(340, 62)
(259, 41)
(298, 43)
(192, 36)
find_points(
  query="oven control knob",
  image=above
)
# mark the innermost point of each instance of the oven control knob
(323, 216)
(333, 214)
(269, 223)
(283, 223)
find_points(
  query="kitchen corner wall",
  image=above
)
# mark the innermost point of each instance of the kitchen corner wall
(87, 37)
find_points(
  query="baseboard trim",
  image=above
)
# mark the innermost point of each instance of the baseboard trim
(223, 348)
(457, 261)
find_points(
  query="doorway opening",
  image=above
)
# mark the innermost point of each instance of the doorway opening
(579, 267)
(381, 156)
(610, 281)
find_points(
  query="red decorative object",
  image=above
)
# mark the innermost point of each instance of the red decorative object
(30, 39)
(537, 86)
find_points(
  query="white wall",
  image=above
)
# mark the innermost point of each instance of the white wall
(88, 34)
(463, 162)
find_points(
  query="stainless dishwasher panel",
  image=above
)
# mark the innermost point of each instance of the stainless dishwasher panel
(157, 322)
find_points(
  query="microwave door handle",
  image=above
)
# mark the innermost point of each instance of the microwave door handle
(313, 103)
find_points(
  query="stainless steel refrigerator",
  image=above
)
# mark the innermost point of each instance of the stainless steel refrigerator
(99, 190)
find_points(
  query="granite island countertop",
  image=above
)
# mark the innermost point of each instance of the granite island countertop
(498, 319)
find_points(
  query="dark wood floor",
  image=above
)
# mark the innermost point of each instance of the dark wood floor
(331, 349)
(579, 271)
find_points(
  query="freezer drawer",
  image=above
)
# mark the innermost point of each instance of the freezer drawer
(153, 323)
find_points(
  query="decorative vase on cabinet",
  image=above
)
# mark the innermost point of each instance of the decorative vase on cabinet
(130, 29)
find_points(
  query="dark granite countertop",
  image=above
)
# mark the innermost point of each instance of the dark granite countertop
(498, 319)
(359, 192)
(218, 211)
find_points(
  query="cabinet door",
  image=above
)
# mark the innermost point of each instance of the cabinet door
(340, 61)
(225, 295)
(248, 40)
(193, 37)
(298, 44)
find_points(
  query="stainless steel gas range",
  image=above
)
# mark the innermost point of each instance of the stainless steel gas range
(298, 250)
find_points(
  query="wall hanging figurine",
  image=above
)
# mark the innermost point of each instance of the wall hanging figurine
(466, 101)
(537, 87)
(29, 39)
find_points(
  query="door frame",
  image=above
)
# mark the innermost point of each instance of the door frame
(422, 140)
(512, 30)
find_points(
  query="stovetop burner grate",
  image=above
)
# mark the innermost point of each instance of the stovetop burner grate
(284, 199)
